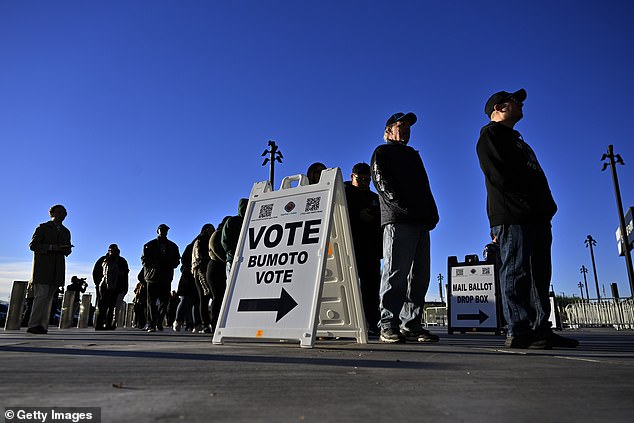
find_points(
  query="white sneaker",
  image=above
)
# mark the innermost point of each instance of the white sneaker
(177, 327)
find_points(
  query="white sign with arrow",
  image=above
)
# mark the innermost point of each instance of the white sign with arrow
(277, 276)
(472, 301)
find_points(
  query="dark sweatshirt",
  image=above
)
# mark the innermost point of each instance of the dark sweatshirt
(517, 189)
(400, 179)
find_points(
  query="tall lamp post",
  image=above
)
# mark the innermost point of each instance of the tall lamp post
(440, 278)
(613, 160)
(275, 154)
(590, 242)
(580, 285)
(584, 270)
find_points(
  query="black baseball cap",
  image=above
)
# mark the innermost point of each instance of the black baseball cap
(396, 117)
(502, 97)
(163, 225)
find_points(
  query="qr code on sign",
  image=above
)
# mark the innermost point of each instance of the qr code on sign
(265, 211)
(459, 272)
(312, 204)
(486, 271)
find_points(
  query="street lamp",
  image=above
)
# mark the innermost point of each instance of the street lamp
(615, 159)
(590, 242)
(440, 278)
(275, 155)
(584, 270)
(580, 285)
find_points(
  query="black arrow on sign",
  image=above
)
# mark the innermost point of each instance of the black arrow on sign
(282, 305)
(481, 316)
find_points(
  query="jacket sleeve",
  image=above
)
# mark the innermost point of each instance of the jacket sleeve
(383, 179)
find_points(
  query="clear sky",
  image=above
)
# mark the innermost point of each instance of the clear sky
(135, 113)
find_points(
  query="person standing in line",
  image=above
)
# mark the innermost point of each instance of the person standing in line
(160, 257)
(50, 245)
(110, 275)
(408, 213)
(200, 259)
(520, 208)
(187, 314)
(231, 233)
(216, 272)
(365, 224)
(314, 172)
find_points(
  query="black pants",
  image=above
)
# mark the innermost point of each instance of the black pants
(105, 308)
(217, 277)
(370, 276)
(158, 296)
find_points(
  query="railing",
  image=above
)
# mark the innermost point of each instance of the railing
(609, 312)
(435, 316)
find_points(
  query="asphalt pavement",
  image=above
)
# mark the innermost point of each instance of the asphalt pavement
(133, 376)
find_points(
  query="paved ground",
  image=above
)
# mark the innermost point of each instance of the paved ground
(165, 377)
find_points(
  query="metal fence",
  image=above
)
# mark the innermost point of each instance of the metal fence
(616, 313)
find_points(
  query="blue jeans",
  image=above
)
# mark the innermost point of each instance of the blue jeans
(525, 276)
(405, 277)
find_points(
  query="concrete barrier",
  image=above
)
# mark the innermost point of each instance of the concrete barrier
(16, 305)
(84, 311)
(68, 309)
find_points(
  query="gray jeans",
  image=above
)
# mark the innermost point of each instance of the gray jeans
(406, 273)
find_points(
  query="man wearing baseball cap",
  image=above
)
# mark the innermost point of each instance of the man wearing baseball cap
(520, 207)
(408, 213)
(160, 257)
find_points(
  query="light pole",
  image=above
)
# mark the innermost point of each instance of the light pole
(615, 159)
(275, 155)
(440, 278)
(584, 270)
(590, 242)
(580, 285)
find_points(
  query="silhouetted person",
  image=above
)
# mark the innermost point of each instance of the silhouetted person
(187, 314)
(216, 272)
(365, 225)
(231, 233)
(50, 245)
(78, 286)
(200, 258)
(110, 274)
(314, 172)
(160, 258)
(140, 302)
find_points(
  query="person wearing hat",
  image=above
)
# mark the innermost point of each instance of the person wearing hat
(159, 259)
(408, 213)
(520, 207)
(110, 275)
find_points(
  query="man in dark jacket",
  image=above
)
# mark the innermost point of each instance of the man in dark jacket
(231, 233)
(108, 290)
(408, 213)
(160, 258)
(520, 207)
(50, 245)
(365, 225)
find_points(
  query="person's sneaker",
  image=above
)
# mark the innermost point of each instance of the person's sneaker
(160, 328)
(420, 335)
(391, 336)
(519, 341)
(37, 330)
(207, 330)
(177, 327)
(552, 340)
(151, 329)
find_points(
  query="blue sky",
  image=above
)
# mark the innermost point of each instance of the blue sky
(135, 113)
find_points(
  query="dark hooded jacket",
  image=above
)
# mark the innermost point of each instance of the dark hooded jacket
(231, 230)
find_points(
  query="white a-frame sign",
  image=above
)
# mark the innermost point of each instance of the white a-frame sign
(294, 275)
